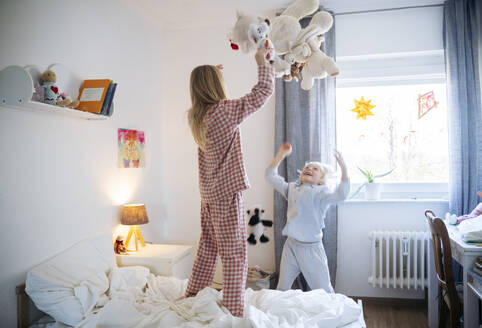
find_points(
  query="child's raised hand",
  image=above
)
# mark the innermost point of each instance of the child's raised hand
(339, 159)
(341, 162)
(285, 149)
(220, 67)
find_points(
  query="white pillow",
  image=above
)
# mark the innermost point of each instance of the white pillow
(68, 285)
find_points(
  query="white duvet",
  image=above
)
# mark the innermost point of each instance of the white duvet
(137, 298)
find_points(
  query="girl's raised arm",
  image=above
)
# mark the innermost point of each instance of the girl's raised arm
(237, 110)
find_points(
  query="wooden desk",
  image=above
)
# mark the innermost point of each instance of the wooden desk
(465, 254)
(475, 284)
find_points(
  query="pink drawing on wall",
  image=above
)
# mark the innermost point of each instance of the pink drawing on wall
(131, 148)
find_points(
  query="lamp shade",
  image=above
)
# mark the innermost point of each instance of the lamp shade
(133, 214)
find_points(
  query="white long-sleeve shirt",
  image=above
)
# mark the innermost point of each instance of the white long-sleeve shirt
(307, 205)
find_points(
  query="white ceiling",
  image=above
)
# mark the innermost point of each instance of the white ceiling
(189, 14)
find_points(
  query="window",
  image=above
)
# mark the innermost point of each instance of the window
(395, 136)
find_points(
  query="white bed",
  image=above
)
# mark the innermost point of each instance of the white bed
(83, 287)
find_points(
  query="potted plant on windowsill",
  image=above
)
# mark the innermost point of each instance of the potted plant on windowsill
(372, 188)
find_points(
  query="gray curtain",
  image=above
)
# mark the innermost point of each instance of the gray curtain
(463, 51)
(306, 119)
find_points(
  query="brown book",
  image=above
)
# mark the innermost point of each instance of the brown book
(92, 95)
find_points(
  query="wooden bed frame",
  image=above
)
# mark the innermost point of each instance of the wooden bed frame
(27, 313)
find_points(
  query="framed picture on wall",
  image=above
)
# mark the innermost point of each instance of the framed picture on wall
(130, 148)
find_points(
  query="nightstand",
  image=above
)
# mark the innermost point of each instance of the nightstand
(163, 260)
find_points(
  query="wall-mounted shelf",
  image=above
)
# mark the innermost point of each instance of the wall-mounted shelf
(34, 106)
(17, 87)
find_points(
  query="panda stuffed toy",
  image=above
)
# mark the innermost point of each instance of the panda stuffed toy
(257, 225)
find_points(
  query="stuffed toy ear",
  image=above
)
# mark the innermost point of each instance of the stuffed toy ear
(267, 21)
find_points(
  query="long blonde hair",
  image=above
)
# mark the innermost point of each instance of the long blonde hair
(207, 89)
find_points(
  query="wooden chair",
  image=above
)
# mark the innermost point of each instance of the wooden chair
(442, 252)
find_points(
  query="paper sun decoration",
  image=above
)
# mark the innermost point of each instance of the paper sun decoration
(362, 108)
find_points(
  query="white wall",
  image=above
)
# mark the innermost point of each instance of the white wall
(356, 220)
(185, 50)
(58, 175)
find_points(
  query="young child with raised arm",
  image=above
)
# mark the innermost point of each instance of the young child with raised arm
(214, 122)
(308, 199)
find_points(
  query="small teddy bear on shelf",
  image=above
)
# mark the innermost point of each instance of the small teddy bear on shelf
(119, 247)
(52, 94)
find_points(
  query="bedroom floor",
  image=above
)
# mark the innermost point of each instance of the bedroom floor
(379, 314)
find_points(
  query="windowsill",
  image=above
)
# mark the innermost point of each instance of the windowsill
(406, 192)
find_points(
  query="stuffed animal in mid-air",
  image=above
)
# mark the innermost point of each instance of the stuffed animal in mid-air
(257, 225)
(296, 48)
(247, 32)
(305, 47)
(317, 65)
(251, 32)
(52, 93)
(286, 27)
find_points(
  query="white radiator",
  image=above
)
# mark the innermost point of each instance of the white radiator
(399, 259)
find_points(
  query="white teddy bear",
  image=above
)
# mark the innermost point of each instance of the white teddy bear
(286, 27)
(306, 49)
(251, 32)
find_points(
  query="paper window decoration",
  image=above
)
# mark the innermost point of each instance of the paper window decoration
(425, 103)
(362, 108)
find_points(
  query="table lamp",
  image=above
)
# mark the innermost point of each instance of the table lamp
(133, 215)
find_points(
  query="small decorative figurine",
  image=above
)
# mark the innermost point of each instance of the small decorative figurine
(119, 247)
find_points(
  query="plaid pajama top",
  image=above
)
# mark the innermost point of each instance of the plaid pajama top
(221, 166)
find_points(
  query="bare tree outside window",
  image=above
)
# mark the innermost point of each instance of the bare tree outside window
(395, 136)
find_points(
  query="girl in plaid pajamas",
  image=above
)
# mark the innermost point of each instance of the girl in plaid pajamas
(308, 200)
(214, 122)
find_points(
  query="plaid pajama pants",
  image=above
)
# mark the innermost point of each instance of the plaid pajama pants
(223, 231)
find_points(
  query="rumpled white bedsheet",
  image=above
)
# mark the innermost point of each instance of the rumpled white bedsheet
(137, 298)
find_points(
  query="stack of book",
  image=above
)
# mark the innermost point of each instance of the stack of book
(96, 96)
(478, 266)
